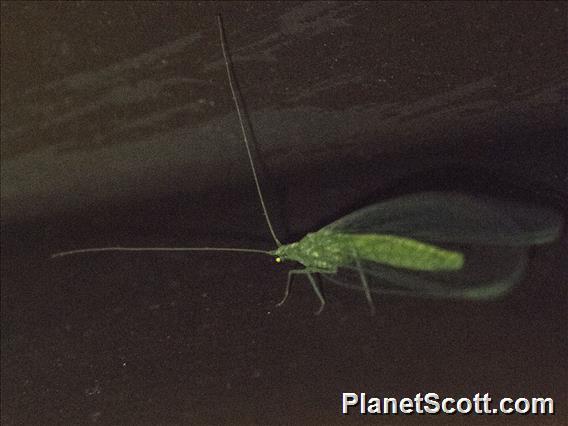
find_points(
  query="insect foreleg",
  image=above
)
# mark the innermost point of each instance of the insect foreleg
(288, 284)
(313, 282)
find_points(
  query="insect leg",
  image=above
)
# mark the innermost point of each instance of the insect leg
(365, 284)
(288, 285)
(317, 290)
(313, 282)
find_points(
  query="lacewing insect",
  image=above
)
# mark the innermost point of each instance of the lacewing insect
(431, 244)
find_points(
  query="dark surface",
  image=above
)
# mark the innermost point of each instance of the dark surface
(351, 103)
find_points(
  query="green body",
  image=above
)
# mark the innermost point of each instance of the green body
(328, 250)
(494, 236)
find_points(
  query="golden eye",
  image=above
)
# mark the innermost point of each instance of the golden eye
(278, 260)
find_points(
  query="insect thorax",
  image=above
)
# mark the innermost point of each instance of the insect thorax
(320, 250)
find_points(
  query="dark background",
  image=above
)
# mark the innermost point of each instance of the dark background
(118, 129)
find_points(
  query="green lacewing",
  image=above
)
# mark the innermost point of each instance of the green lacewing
(429, 244)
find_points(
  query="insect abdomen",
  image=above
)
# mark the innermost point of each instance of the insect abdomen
(403, 252)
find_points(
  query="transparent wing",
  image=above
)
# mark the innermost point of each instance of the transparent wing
(456, 218)
(488, 272)
(493, 235)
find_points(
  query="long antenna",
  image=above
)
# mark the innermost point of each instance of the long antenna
(90, 250)
(237, 101)
(232, 84)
